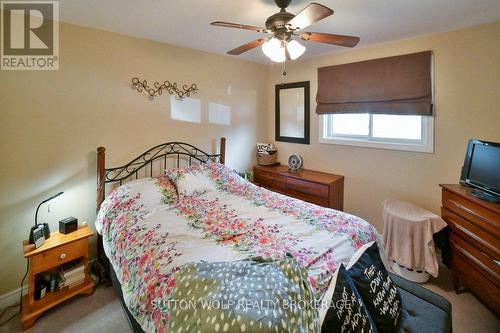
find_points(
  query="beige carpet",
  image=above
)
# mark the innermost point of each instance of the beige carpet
(469, 314)
(102, 312)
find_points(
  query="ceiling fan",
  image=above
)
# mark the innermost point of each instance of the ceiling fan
(284, 27)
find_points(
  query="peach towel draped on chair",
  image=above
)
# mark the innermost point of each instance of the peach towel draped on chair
(408, 235)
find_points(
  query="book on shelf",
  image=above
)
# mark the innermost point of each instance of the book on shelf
(72, 269)
(73, 282)
(70, 279)
(71, 274)
(76, 283)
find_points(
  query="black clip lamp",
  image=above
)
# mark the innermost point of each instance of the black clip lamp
(46, 229)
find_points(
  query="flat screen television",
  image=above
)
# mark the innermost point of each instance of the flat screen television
(481, 169)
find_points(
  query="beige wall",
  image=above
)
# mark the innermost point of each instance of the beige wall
(52, 122)
(467, 104)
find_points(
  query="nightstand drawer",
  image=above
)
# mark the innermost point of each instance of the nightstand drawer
(59, 255)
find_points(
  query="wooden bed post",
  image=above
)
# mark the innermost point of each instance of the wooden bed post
(101, 173)
(222, 150)
(101, 191)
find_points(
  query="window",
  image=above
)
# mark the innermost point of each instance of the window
(398, 90)
(399, 132)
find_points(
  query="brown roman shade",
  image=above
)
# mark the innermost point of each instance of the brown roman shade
(396, 85)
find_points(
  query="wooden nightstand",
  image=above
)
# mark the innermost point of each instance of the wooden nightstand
(321, 188)
(57, 250)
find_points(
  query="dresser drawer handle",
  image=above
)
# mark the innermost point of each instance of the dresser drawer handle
(470, 211)
(473, 213)
(474, 236)
(62, 256)
(475, 260)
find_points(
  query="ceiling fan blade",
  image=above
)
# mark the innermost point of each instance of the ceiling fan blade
(309, 15)
(340, 40)
(238, 26)
(247, 47)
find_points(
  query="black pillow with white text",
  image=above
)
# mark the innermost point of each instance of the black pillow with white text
(346, 312)
(378, 291)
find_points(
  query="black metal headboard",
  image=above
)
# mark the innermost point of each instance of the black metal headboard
(179, 150)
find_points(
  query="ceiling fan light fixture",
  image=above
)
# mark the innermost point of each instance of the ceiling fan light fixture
(295, 49)
(284, 26)
(274, 50)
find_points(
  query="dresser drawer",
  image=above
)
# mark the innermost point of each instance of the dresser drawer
(481, 239)
(482, 262)
(473, 277)
(320, 201)
(320, 188)
(262, 174)
(304, 186)
(59, 255)
(270, 184)
(479, 216)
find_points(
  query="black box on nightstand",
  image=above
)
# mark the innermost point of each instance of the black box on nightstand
(68, 225)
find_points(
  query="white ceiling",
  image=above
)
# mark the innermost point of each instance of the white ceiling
(186, 22)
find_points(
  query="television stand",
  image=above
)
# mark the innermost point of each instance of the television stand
(485, 196)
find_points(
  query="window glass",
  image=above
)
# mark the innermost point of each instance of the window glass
(350, 124)
(397, 127)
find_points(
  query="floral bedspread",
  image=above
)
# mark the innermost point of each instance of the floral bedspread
(150, 232)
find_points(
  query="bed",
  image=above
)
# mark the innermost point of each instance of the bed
(148, 230)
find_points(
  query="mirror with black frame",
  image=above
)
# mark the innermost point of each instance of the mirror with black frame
(292, 112)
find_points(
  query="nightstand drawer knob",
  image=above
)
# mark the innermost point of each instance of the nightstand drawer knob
(62, 256)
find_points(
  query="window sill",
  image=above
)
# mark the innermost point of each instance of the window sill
(362, 142)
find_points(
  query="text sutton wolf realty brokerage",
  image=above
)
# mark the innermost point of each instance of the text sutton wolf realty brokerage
(30, 35)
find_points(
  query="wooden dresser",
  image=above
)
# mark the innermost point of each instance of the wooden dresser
(473, 253)
(320, 188)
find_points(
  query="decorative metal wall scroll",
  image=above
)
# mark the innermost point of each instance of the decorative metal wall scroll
(157, 88)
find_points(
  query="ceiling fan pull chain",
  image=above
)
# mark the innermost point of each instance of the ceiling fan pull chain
(283, 72)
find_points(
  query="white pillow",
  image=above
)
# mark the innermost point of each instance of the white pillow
(194, 183)
(359, 252)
